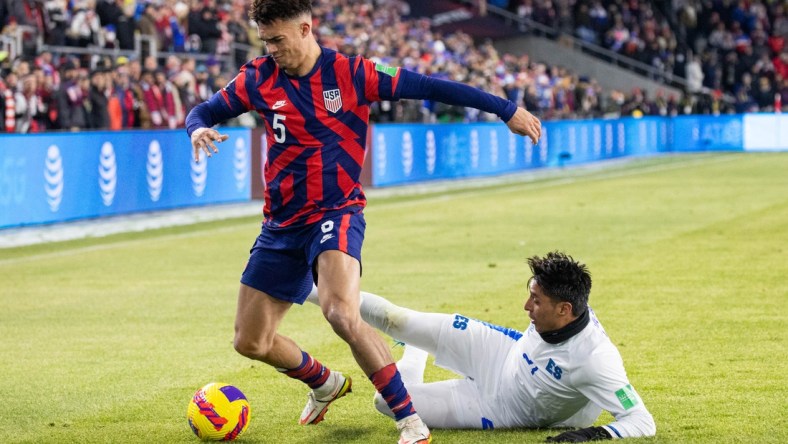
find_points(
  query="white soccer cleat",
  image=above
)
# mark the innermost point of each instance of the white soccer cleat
(412, 430)
(320, 398)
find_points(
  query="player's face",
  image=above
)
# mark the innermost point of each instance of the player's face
(286, 41)
(545, 313)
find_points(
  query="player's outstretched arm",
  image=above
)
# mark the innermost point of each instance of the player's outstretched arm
(524, 123)
(604, 382)
(222, 106)
(417, 86)
(203, 140)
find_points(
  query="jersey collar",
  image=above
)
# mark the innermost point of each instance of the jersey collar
(567, 331)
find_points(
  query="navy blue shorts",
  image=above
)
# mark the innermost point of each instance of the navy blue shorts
(281, 262)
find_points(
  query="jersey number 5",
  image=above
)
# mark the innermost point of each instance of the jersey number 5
(279, 128)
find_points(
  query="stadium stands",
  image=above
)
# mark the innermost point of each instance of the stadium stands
(735, 48)
(95, 74)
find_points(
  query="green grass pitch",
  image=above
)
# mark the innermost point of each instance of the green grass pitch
(105, 340)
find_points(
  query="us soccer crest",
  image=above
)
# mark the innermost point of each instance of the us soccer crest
(333, 100)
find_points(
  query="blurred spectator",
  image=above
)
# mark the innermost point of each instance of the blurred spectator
(204, 24)
(174, 112)
(109, 12)
(203, 90)
(214, 70)
(69, 98)
(154, 100)
(147, 23)
(764, 93)
(694, 75)
(237, 31)
(97, 105)
(745, 102)
(57, 21)
(179, 30)
(84, 27)
(126, 26)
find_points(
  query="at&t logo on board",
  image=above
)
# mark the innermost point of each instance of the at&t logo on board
(155, 167)
(240, 164)
(53, 177)
(543, 146)
(107, 170)
(407, 153)
(380, 155)
(431, 153)
(474, 149)
(199, 174)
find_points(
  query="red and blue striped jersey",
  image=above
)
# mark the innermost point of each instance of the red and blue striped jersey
(316, 127)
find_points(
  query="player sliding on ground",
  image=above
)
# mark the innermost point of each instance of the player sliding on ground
(561, 372)
(315, 103)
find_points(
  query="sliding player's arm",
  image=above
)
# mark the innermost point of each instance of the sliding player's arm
(604, 382)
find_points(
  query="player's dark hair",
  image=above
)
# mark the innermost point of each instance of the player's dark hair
(268, 11)
(563, 279)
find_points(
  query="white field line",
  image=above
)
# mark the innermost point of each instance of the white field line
(110, 245)
(478, 187)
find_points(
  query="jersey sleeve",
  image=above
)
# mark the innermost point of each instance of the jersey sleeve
(231, 101)
(377, 82)
(604, 382)
(380, 82)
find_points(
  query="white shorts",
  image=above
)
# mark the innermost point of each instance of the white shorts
(478, 351)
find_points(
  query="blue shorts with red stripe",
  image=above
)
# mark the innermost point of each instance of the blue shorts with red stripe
(281, 262)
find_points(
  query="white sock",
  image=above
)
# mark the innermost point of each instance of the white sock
(412, 364)
(312, 297)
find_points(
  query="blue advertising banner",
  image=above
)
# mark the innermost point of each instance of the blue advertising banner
(404, 153)
(409, 153)
(467, 150)
(56, 177)
(708, 133)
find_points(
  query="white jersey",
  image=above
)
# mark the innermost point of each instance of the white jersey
(523, 381)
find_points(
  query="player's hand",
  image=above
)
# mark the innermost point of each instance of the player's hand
(203, 140)
(581, 435)
(524, 123)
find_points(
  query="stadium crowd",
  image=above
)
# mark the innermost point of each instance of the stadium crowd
(734, 47)
(51, 91)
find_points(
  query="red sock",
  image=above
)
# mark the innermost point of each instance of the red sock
(311, 371)
(389, 384)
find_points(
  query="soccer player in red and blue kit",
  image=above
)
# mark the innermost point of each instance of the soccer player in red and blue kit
(315, 103)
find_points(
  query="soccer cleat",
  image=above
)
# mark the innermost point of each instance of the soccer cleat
(319, 399)
(412, 430)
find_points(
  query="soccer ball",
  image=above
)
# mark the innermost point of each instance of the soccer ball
(218, 412)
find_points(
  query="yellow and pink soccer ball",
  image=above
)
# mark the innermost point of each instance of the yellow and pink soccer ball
(218, 412)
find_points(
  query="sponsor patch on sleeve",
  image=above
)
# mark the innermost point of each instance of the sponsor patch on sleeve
(390, 70)
(627, 397)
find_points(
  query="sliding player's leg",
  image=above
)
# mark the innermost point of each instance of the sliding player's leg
(464, 345)
(451, 404)
(412, 327)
